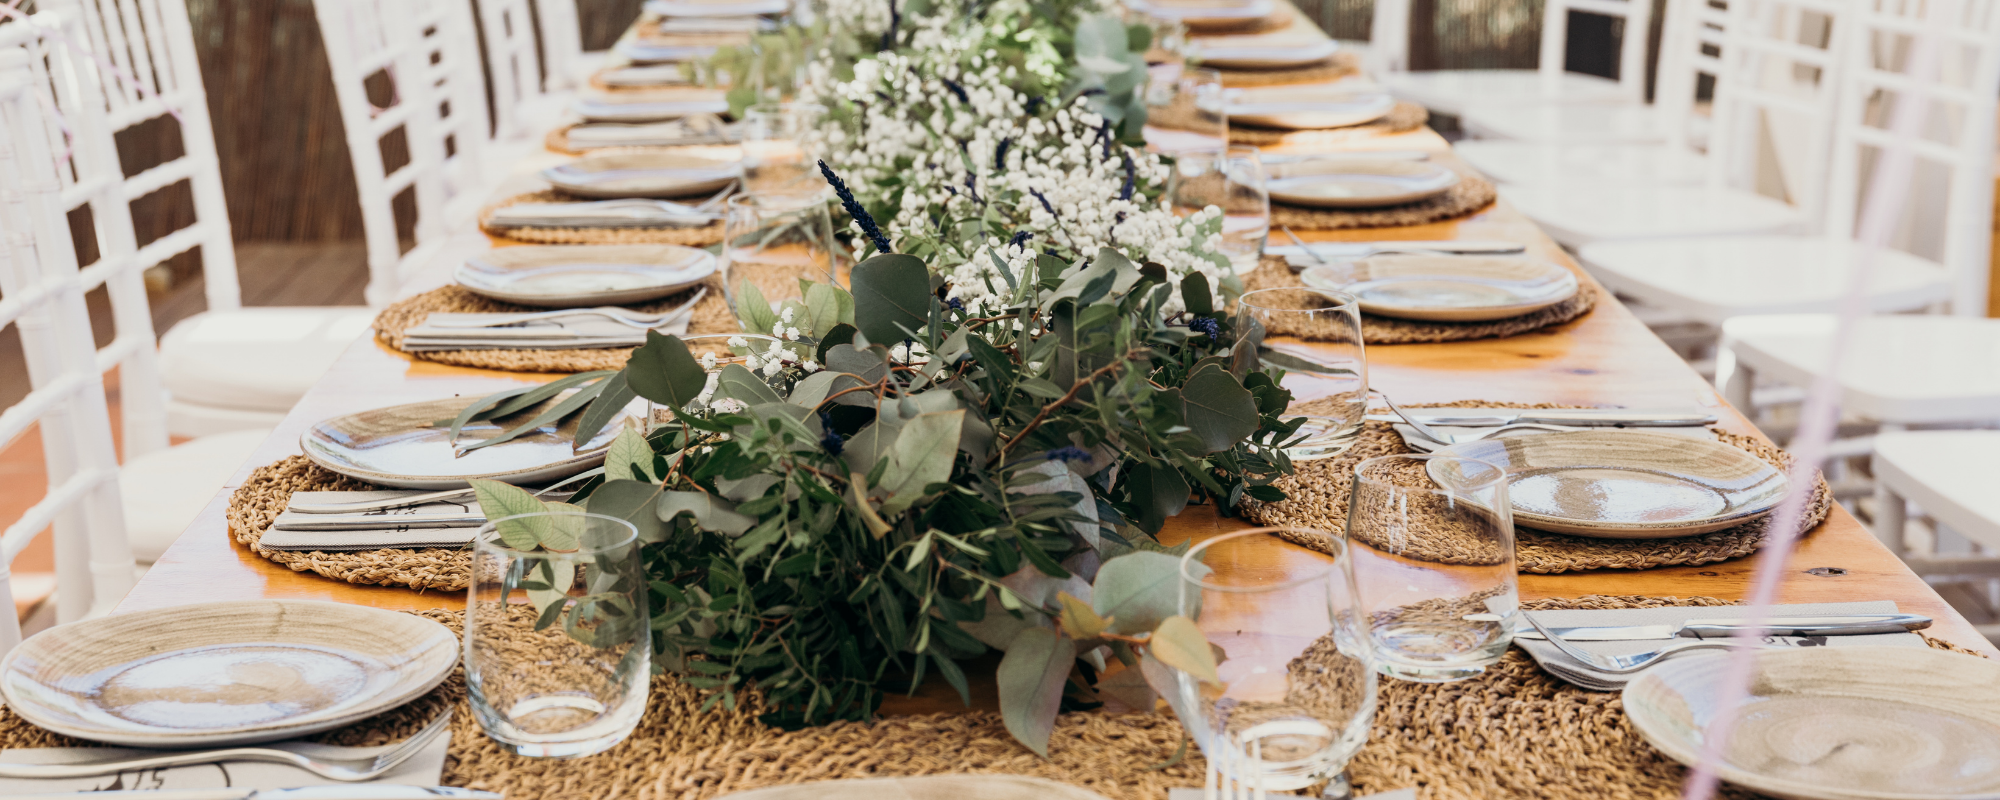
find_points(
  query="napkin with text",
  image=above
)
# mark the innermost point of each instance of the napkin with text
(425, 768)
(560, 333)
(1419, 444)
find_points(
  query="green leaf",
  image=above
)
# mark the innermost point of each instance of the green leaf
(553, 416)
(1219, 410)
(840, 334)
(630, 455)
(1031, 679)
(609, 403)
(1196, 296)
(500, 500)
(1139, 589)
(857, 495)
(709, 512)
(1158, 491)
(481, 409)
(556, 573)
(633, 502)
(1129, 686)
(922, 455)
(663, 371)
(1179, 643)
(813, 389)
(753, 310)
(891, 293)
(869, 445)
(827, 306)
(1077, 618)
(740, 383)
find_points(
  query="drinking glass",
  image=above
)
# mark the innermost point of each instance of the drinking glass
(1297, 692)
(1186, 109)
(558, 650)
(1230, 179)
(1315, 337)
(781, 147)
(772, 239)
(1432, 540)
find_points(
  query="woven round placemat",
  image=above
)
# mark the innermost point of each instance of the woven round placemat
(1332, 68)
(1274, 273)
(693, 237)
(1473, 193)
(264, 494)
(1317, 493)
(1403, 118)
(1513, 732)
(647, 31)
(711, 316)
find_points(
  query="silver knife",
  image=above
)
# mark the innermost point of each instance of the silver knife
(1274, 159)
(1582, 418)
(359, 791)
(1849, 625)
(369, 522)
(1365, 249)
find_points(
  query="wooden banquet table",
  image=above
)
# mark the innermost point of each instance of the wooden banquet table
(1606, 358)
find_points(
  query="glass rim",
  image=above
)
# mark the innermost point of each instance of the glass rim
(1434, 456)
(1343, 300)
(492, 527)
(785, 200)
(1316, 575)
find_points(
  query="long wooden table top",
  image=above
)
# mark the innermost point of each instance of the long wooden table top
(1606, 358)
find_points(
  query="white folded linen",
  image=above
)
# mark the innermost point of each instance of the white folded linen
(1422, 445)
(561, 333)
(416, 526)
(697, 129)
(426, 768)
(597, 214)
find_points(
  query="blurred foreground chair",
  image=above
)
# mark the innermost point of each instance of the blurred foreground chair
(1454, 91)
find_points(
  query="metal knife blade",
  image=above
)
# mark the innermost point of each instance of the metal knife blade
(1364, 249)
(359, 791)
(1582, 418)
(1853, 625)
(355, 522)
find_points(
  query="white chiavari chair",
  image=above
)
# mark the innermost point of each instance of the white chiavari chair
(511, 65)
(41, 294)
(428, 51)
(569, 67)
(1454, 91)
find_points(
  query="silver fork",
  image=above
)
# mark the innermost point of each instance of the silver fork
(1450, 439)
(624, 315)
(1620, 665)
(338, 769)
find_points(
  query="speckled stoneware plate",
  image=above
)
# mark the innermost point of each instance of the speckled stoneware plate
(735, 8)
(223, 674)
(1243, 56)
(927, 787)
(1360, 182)
(614, 175)
(400, 446)
(1626, 484)
(1836, 723)
(569, 276)
(1301, 108)
(1447, 288)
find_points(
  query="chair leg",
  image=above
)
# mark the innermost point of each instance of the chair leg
(1890, 515)
(1736, 387)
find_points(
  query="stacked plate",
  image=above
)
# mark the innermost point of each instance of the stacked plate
(1309, 107)
(1280, 50)
(223, 674)
(730, 8)
(624, 175)
(1626, 484)
(650, 106)
(1359, 182)
(1448, 288)
(569, 276)
(406, 446)
(1204, 13)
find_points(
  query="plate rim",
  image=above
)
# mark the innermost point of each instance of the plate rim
(620, 296)
(585, 460)
(1456, 179)
(1326, 49)
(259, 732)
(1459, 313)
(551, 175)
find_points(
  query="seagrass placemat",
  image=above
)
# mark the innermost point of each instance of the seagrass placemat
(1403, 118)
(697, 236)
(557, 140)
(647, 31)
(1317, 493)
(1332, 68)
(1472, 193)
(1513, 732)
(1274, 273)
(712, 315)
(269, 488)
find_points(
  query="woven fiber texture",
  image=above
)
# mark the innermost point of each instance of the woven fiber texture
(1513, 732)
(711, 316)
(1472, 194)
(648, 32)
(1276, 274)
(693, 237)
(1317, 494)
(264, 494)
(1405, 117)
(1332, 68)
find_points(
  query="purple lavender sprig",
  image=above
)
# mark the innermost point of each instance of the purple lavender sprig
(854, 209)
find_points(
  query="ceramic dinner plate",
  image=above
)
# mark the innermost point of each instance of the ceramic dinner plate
(736, 8)
(222, 674)
(657, 105)
(1296, 108)
(570, 276)
(1198, 12)
(1447, 288)
(613, 175)
(1221, 52)
(1626, 484)
(400, 446)
(1836, 723)
(1360, 182)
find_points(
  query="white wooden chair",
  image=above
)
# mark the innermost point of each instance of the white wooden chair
(428, 51)
(41, 294)
(1454, 91)
(1783, 59)
(1948, 476)
(228, 368)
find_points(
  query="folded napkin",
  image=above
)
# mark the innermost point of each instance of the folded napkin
(562, 333)
(598, 214)
(697, 129)
(448, 523)
(1422, 445)
(642, 53)
(598, 109)
(425, 768)
(1555, 663)
(654, 75)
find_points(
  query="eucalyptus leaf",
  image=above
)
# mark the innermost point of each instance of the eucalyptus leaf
(552, 416)
(737, 382)
(630, 457)
(1138, 590)
(1031, 678)
(634, 502)
(607, 406)
(922, 455)
(663, 371)
(709, 512)
(1158, 491)
(891, 295)
(500, 500)
(1178, 643)
(1218, 409)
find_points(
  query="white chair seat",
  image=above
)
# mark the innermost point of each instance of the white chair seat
(1569, 123)
(1576, 213)
(1949, 474)
(255, 360)
(165, 490)
(1452, 91)
(1715, 279)
(1896, 369)
(1534, 163)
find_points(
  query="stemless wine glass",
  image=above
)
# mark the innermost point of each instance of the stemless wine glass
(1229, 179)
(1187, 109)
(1297, 692)
(558, 650)
(781, 147)
(772, 239)
(1315, 337)
(1432, 540)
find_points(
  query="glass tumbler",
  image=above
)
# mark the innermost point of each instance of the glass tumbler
(1432, 539)
(773, 239)
(1315, 337)
(1297, 693)
(781, 147)
(1231, 180)
(1186, 109)
(558, 651)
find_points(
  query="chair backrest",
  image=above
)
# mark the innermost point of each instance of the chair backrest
(562, 43)
(427, 54)
(41, 294)
(150, 46)
(1636, 17)
(511, 63)
(1389, 37)
(1691, 38)
(1959, 79)
(1773, 114)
